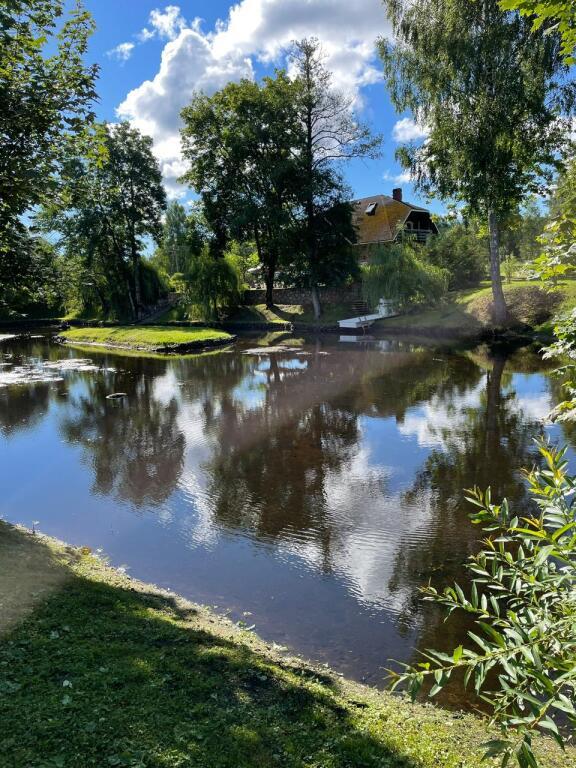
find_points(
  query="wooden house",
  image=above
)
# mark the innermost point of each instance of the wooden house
(382, 219)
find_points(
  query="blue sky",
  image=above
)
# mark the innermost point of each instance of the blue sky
(153, 56)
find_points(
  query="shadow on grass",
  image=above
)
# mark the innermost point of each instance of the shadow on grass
(108, 675)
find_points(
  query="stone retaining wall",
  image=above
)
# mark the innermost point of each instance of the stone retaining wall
(301, 296)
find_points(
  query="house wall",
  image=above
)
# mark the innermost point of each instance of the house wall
(300, 296)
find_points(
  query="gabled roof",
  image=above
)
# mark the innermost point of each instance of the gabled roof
(384, 221)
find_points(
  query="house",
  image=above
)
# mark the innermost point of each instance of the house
(381, 219)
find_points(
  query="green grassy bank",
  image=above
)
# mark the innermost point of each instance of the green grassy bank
(455, 313)
(97, 669)
(152, 337)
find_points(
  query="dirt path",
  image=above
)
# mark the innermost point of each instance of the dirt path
(29, 572)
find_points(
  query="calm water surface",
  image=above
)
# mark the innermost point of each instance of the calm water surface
(309, 491)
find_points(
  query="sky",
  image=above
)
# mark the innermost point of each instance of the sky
(153, 57)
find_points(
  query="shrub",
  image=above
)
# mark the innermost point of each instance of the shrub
(530, 305)
(461, 251)
(213, 284)
(523, 601)
(398, 272)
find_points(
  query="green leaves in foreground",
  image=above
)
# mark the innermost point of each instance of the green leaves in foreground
(523, 599)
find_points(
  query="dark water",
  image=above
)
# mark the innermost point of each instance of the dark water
(310, 492)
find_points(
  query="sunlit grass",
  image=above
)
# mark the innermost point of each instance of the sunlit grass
(148, 337)
(101, 670)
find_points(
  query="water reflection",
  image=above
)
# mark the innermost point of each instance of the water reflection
(133, 445)
(317, 488)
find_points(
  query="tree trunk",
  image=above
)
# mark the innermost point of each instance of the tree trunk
(316, 302)
(270, 274)
(137, 286)
(500, 309)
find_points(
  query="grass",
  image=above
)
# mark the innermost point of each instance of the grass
(150, 337)
(97, 669)
(454, 313)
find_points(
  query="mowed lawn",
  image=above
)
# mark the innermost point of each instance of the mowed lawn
(454, 312)
(151, 337)
(99, 670)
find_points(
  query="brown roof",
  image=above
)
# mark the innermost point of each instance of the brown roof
(389, 218)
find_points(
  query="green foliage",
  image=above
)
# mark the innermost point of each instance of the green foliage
(244, 257)
(182, 239)
(459, 249)
(213, 284)
(523, 602)
(330, 134)
(558, 240)
(111, 200)
(239, 144)
(559, 15)
(334, 235)
(263, 157)
(494, 98)
(36, 284)
(46, 92)
(399, 273)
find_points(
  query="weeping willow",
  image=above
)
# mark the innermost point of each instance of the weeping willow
(397, 273)
(212, 285)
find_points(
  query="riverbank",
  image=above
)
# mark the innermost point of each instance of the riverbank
(460, 315)
(148, 338)
(100, 669)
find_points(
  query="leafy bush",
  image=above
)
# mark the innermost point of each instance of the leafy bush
(398, 272)
(153, 282)
(523, 600)
(213, 284)
(461, 251)
(531, 306)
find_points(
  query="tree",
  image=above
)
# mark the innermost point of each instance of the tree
(461, 250)
(491, 95)
(111, 199)
(174, 242)
(398, 272)
(336, 262)
(46, 92)
(331, 134)
(239, 144)
(139, 195)
(522, 602)
(212, 284)
(559, 13)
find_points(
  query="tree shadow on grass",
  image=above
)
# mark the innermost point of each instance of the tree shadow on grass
(107, 674)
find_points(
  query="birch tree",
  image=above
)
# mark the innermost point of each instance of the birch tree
(492, 96)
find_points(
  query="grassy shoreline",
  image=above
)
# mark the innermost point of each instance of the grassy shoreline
(153, 338)
(98, 669)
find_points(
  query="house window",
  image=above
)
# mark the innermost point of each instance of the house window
(371, 210)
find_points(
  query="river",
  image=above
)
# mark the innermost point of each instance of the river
(307, 490)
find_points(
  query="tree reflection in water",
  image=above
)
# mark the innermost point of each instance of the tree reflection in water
(133, 445)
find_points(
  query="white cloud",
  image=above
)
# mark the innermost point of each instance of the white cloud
(404, 177)
(122, 52)
(408, 129)
(193, 60)
(187, 65)
(167, 23)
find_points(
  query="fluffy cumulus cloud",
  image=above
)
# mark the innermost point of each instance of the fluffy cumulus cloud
(122, 52)
(255, 30)
(408, 129)
(404, 177)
